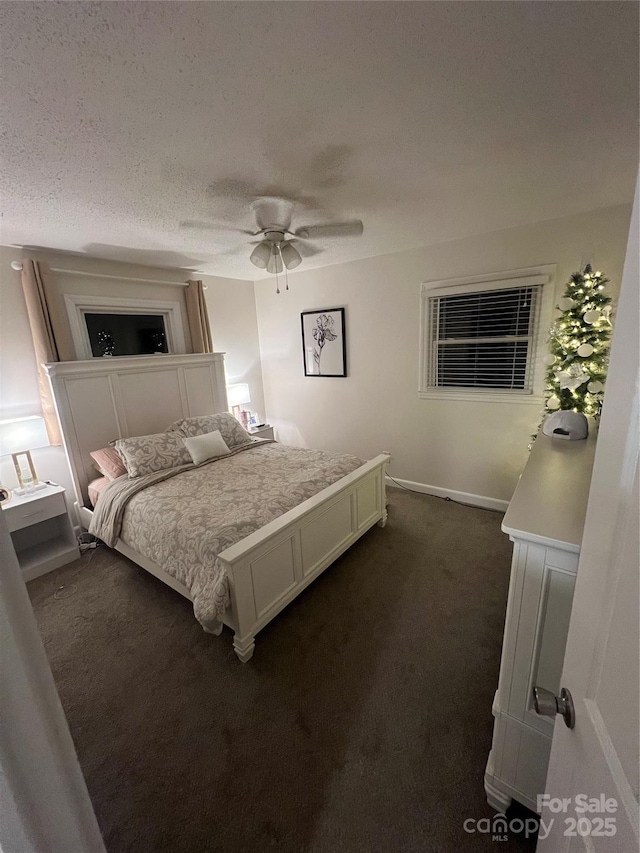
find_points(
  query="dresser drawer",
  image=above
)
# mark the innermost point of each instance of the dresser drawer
(31, 512)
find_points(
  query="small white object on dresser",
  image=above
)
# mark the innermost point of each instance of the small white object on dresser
(265, 431)
(545, 520)
(41, 531)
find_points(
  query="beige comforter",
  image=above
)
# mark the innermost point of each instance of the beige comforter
(181, 519)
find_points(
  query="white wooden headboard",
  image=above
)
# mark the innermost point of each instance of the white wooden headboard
(107, 398)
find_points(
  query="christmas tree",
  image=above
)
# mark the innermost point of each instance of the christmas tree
(579, 346)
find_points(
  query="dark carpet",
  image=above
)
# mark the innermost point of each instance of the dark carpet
(363, 722)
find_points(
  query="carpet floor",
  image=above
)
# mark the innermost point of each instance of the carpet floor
(363, 722)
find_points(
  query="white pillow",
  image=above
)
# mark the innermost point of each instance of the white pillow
(206, 446)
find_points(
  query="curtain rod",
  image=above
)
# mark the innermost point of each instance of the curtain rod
(17, 265)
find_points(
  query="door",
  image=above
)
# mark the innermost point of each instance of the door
(598, 759)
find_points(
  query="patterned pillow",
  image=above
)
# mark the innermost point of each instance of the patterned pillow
(145, 454)
(230, 429)
(109, 462)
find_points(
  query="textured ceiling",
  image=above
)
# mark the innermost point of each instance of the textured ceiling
(429, 121)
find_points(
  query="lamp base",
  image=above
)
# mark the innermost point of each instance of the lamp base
(28, 490)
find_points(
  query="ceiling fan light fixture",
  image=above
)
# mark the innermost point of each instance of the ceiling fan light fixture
(290, 255)
(261, 255)
(275, 261)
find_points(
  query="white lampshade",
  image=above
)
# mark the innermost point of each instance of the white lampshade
(20, 434)
(238, 394)
(261, 255)
(275, 262)
(290, 256)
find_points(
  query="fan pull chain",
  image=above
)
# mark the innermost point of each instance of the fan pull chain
(286, 273)
(274, 251)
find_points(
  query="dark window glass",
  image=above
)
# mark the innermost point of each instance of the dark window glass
(483, 339)
(126, 334)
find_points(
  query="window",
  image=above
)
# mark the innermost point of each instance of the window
(479, 337)
(125, 334)
(114, 326)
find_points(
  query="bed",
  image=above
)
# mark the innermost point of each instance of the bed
(289, 545)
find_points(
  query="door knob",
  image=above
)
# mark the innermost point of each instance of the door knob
(547, 704)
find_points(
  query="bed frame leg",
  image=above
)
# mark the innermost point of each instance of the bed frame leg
(383, 521)
(244, 648)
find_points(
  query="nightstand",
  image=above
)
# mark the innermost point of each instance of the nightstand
(265, 431)
(41, 531)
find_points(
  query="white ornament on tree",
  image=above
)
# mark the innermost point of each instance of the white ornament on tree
(595, 387)
(572, 378)
(566, 303)
(591, 316)
(585, 350)
(549, 359)
(553, 402)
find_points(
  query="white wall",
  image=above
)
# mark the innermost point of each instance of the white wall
(234, 328)
(476, 448)
(233, 324)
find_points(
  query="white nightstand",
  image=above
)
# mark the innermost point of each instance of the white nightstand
(265, 431)
(41, 531)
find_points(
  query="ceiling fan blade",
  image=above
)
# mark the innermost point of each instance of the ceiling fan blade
(307, 250)
(196, 225)
(354, 228)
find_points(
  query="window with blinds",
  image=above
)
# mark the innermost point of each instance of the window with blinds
(484, 339)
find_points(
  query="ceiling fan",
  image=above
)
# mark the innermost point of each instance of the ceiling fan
(279, 247)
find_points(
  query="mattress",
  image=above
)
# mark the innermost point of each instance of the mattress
(96, 488)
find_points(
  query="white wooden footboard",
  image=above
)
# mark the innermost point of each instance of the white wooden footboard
(269, 568)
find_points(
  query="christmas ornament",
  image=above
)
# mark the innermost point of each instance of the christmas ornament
(591, 316)
(553, 403)
(549, 359)
(595, 387)
(572, 378)
(566, 303)
(585, 350)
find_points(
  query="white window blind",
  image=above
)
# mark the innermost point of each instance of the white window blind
(483, 339)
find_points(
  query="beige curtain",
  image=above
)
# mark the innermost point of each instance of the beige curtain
(198, 318)
(37, 294)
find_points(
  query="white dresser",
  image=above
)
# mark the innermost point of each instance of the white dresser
(544, 521)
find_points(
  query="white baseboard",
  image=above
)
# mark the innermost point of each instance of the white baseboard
(461, 497)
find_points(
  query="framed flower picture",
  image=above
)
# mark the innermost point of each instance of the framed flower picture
(324, 346)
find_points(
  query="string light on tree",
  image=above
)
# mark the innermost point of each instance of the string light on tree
(579, 346)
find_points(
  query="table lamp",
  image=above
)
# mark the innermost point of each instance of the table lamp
(18, 436)
(238, 395)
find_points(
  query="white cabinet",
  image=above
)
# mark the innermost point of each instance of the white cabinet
(41, 531)
(544, 520)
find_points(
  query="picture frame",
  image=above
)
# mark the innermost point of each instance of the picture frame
(324, 342)
(23, 464)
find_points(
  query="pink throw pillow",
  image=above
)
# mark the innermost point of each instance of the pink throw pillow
(109, 462)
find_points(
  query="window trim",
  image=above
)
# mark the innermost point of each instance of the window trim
(80, 304)
(525, 277)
